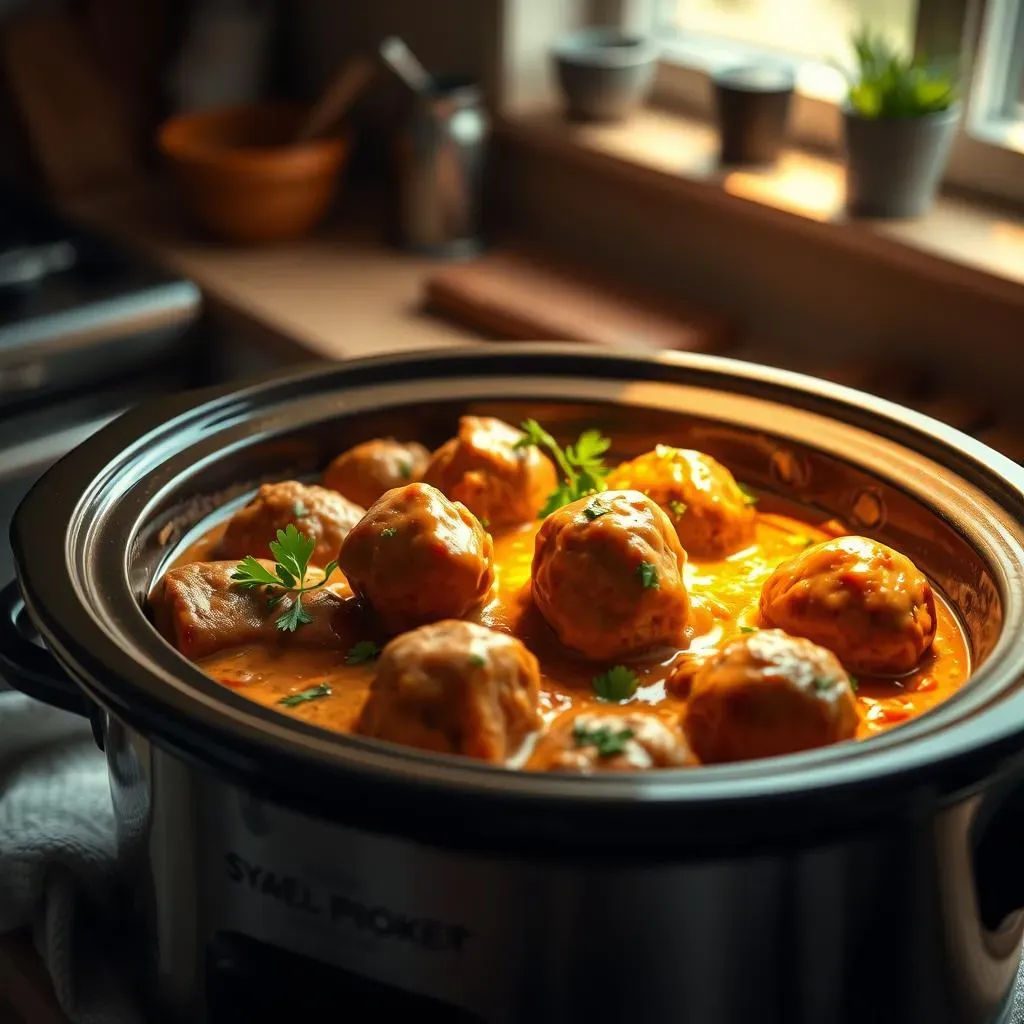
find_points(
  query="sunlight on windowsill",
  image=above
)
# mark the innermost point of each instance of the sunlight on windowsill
(663, 149)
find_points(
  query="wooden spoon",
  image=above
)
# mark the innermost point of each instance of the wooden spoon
(341, 92)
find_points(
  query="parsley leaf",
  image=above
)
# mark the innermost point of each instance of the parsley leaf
(313, 693)
(617, 684)
(478, 660)
(822, 684)
(405, 469)
(294, 616)
(678, 508)
(292, 551)
(750, 497)
(853, 682)
(748, 629)
(607, 739)
(484, 522)
(560, 496)
(299, 510)
(596, 508)
(581, 464)
(389, 531)
(250, 573)
(648, 575)
(365, 650)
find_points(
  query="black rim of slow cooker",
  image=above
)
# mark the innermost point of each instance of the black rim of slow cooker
(448, 799)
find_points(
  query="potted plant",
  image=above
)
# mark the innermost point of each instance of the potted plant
(900, 119)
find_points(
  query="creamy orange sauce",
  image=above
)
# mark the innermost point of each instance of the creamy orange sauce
(724, 595)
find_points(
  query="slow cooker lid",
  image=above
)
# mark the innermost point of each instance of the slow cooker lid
(79, 540)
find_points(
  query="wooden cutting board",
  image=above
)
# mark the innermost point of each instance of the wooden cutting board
(72, 118)
(518, 297)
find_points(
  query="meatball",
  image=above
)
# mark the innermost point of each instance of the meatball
(456, 688)
(869, 605)
(482, 468)
(603, 741)
(323, 515)
(416, 557)
(767, 694)
(711, 513)
(200, 611)
(365, 472)
(608, 575)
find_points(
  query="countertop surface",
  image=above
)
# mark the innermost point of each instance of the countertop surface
(342, 293)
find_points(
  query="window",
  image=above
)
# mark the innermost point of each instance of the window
(702, 36)
(997, 112)
(814, 29)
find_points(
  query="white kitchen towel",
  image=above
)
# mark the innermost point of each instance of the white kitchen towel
(57, 857)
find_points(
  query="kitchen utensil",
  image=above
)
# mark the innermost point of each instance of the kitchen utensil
(404, 63)
(244, 179)
(441, 155)
(273, 864)
(342, 91)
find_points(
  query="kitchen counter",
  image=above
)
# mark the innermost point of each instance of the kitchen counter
(342, 293)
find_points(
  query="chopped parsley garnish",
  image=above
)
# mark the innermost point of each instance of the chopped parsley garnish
(823, 684)
(581, 464)
(484, 522)
(299, 510)
(478, 660)
(648, 575)
(678, 508)
(596, 509)
(292, 551)
(617, 684)
(405, 469)
(365, 650)
(608, 740)
(389, 531)
(748, 629)
(750, 497)
(853, 682)
(313, 693)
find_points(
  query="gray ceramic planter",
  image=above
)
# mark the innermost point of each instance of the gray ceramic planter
(604, 74)
(894, 165)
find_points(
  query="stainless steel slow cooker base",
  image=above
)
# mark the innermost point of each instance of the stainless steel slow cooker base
(878, 929)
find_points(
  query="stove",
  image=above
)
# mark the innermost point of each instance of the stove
(87, 329)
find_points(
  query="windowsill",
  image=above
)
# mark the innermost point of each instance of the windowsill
(962, 240)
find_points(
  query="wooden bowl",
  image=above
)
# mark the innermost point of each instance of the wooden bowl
(242, 178)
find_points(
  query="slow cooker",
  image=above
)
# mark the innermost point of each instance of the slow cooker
(273, 868)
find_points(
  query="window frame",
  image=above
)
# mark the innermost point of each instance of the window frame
(981, 160)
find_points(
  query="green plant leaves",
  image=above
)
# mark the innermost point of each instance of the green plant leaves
(891, 85)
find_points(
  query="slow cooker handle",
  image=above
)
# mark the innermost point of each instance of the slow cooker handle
(30, 667)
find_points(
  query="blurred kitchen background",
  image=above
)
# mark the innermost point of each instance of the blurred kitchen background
(191, 193)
